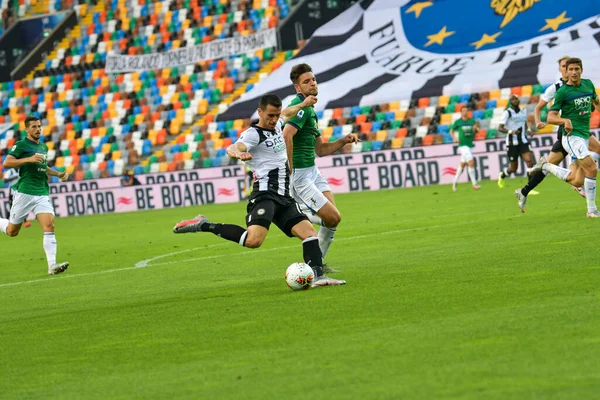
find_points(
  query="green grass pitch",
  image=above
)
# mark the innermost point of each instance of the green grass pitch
(449, 296)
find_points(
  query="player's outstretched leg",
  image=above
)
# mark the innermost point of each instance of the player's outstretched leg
(200, 223)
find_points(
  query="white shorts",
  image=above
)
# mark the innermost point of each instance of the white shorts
(465, 154)
(308, 186)
(23, 204)
(576, 146)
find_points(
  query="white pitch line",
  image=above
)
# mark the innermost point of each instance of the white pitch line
(145, 263)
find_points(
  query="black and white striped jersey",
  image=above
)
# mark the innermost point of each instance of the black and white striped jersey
(269, 162)
(550, 91)
(513, 121)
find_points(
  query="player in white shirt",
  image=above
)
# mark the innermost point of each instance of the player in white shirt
(514, 125)
(262, 147)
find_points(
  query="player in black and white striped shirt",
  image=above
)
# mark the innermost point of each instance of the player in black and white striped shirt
(262, 147)
(517, 144)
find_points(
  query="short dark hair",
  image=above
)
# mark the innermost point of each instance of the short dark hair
(29, 119)
(574, 60)
(298, 70)
(269, 99)
(463, 107)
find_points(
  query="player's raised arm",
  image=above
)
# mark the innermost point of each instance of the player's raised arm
(239, 151)
(290, 111)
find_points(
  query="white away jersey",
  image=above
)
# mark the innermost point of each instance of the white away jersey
(513, 121)
(269, 158)
(548, 95)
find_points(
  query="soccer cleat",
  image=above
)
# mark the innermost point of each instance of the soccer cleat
(538, 166)
(500, 181)
(593, 214)
(579, 190)
(476, 187)
(190, 225)
(328, 270)
(534, 192)
(327, 281)
(522, 199)
(55, 269)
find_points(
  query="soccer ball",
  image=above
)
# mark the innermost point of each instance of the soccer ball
(299, 276)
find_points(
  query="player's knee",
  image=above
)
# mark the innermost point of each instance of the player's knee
(254, 242)
(333, 220)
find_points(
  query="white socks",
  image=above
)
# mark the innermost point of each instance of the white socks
(50, 247)
(326, 236)
(459, 171)
(471, 171)
(559, 172)
(313, 218)
(590, 193)
(3, 225)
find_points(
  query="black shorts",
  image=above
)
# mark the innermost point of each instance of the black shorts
(557, 147)
(266, 208)
(515, 151)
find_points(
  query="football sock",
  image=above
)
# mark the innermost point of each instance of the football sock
(235, 233)
(590, 193)
(559, 172)
(313, 218)
(471, 171)
(533, 182)
(326, 236)
(312, 254)
(3, 225)
(50, 247)
(459, 171)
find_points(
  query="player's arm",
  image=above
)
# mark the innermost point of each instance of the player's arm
(63, 176)
(325, 149)
(502, 126)
(13, 162)
(239, 151)
(537, 113)
(555, 119)
(290, 111)
(289, 131)
(596, 103)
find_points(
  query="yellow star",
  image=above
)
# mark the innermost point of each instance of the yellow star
(485, 39)
(554, 23)
(417, 8)
(439, 37)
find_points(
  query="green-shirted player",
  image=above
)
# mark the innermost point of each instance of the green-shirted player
(575, 101)
(466, 128)
(31, 192)
(303, 140)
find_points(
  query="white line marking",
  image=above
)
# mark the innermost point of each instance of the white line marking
(145, 263)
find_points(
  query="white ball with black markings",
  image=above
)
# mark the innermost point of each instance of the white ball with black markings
(299, 276)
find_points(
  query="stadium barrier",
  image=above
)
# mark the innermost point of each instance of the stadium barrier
(388, 169)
